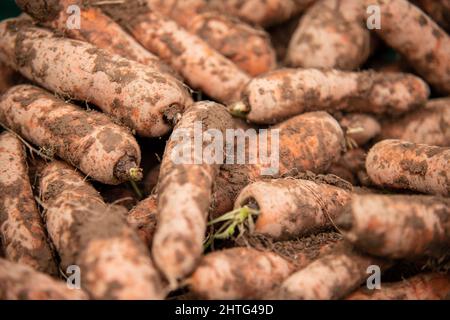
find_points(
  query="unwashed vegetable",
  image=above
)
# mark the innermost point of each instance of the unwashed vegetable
(397, 226)
(133, 94)
(143, 217)
(429, 53)
(287, 92)
(22, 232)
(114, 263)
(359, 128)
(404, 165)
(88, 140)
(438, 10)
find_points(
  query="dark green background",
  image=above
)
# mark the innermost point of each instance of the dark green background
(8, 9)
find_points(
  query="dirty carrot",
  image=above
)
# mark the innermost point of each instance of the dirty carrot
(248, 47)
(8, 78)
(114, 263)
(429, 53)
(88, 140)
(21, 282)
(151, 179)
(143, 217)
(289, 208)
(249, 272)
(203, 67)
(262, 12)
(94, 27)
(429, 286)
(132, 93)
(438, 10)
(184, 192)
(359, 128)
(332, 276)
(405, 165)
(308, 142)
(320, 40)
(287, 92)
(429, 125)
(22, 232)
(397, 226)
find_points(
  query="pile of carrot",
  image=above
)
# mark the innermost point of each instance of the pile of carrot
(258, 149)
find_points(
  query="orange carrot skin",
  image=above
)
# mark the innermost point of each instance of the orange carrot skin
(289, 208)
(203, 67)
(262, 12)
(276, 95)
(23, 234)
(428, 54)
(430, 125)
(397, 226)
(308, 142)
(87, 140)
(21, 282)
(359, 127)
(95, 28)
(114, 263)
(143, 217)
(184, 196)
(321, 41)
(404, 165)
(133, 94)
(430, 286)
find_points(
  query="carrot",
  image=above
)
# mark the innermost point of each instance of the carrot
(428, 54)
(114, 263)
(133, 94)
(290, 208)
(95, 27)
(428, 286)
(249, 273)
(430, 125)
(331, 276)
(360, 128)
(184, 195)
(203, 68)
(88, 140)
(24, 239)
(397, 226)
(262, 12)
(438, 10)
(404, 165)
(151, 179)
(308, 142)
(248, 47)
(143, 217)
(8, 78)
(21, 282)
(353, 163)
(331, 34)
(284, 93)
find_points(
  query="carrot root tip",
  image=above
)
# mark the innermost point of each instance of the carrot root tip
(239, 109)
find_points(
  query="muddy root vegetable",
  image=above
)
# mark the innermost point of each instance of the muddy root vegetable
(429, 125)
(404, 165)
(397, 226)
(438, 10)
(331, 276)
(431, 286)
(184, 192)
(114, 263)
(360, 128)
(21, 282)
(249, 273)
(88, 140)
(95, 27)
(428, 54)
(262, 12)
(308, 142)
(321, 41)
(8, 78)
(289, 208)
(284, 93)
(248, 47)
(22, 232)
(134, 94)
(143, 217)
(203, 67)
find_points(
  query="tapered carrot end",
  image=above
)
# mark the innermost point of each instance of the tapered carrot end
(128, 170)
(345, 221)
(239, 109)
